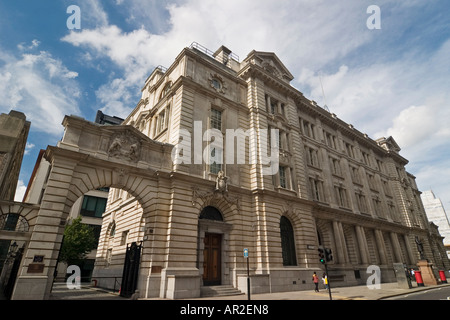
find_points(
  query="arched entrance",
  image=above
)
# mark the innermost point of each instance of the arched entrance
(212, 251)
(15, 233)
(213, 246)
(87, 158)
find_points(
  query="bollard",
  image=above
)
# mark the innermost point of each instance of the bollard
(442, 276)
(419, 279)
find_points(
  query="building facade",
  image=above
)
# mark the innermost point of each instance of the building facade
(325, 185)
(436, 214)
(222, 155)
(14, 130)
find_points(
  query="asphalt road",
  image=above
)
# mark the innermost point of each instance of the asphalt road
(61, 292)
(432, 294)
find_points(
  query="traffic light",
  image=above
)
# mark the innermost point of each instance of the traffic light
(322, 255)
(328, 255)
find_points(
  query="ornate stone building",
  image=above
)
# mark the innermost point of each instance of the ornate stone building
(334, 187)
(178, 218)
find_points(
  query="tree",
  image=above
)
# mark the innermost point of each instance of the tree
(77, 242)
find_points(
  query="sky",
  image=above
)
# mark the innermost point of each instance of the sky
(385, 71)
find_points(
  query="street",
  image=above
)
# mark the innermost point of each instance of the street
(442, 293)
(61, 292)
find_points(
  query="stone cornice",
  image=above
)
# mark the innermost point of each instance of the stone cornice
(351, 218)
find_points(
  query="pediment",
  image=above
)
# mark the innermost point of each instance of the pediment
(271, 64)
(389, 144)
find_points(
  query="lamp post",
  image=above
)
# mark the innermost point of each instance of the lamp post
(12, 250)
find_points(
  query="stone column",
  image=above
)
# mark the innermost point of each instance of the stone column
(362, 242)
(344, 244)
(409, 251)
(381, 246)
(338, 238)
(396, 247)
(35, 275)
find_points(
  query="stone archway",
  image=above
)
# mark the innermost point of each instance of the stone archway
(88, 157)
(216, 213)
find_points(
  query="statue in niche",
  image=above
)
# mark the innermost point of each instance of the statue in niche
(221, 182)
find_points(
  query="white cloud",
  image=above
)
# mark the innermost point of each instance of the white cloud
(92, 13)
(23, 46)
(28, 147)
(290, 28)
(41, 87)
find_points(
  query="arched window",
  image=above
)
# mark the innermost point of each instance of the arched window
(211, 213)
(287, 242)
(165, 90)
(13, 222)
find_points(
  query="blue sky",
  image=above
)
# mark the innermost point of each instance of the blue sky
(389, 81)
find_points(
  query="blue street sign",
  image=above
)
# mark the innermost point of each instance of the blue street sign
(245, 252)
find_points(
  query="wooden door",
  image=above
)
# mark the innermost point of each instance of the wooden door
(211, 259)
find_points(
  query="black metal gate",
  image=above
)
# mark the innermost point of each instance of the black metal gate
(131, 270)
(13, 275)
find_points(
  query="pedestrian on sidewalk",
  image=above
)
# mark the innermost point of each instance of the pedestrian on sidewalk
(325, 280)
(413, 278)
(315, 278)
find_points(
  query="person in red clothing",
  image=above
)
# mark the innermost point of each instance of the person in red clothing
(316, 282)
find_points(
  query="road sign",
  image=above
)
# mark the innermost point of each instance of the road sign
(245, 252)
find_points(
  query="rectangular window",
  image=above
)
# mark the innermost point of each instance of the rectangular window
(335, 166)
(216, 119)
(273, 107)
(361, 202)
(341, 196)
(387, 190)
(162, 121)
(380, 165)
(377, 208)
(350, 150)
(93, 206)
(307, 128)
(312, 157)
(124, 238)
(330, 139)
(282, 172)
(316, 189)
(372, 183)
(366, 158)
(354, 172)
(215, 168)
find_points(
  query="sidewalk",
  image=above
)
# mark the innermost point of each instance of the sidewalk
(342, 293)
(60, 292)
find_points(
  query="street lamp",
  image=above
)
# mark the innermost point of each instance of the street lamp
(13, 250)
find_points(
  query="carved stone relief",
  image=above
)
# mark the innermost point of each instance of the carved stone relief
(125, 146)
